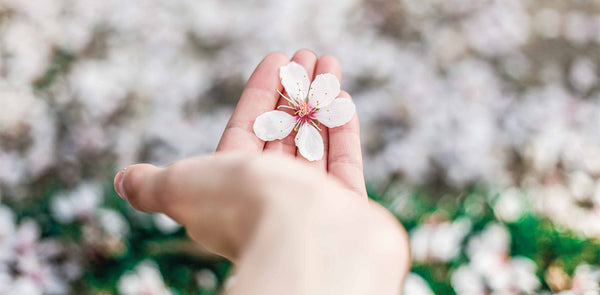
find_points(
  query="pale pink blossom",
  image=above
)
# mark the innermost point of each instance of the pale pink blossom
(312, 104)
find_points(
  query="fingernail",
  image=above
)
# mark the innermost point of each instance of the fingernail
(118, 183)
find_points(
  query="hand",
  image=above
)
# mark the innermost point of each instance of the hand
(342, 158)
(290, 228)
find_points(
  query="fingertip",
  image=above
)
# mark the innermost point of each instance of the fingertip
(344, 94)
(136, 184)
(329, 64)
(266, 75)
(308, 60)
(306, 54)
(276, 57)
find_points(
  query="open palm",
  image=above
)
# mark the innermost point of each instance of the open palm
(342, 158)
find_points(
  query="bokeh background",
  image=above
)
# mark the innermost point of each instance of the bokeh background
(480, 127)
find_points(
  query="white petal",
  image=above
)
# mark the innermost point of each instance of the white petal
(323, 90)
(273, 125)
(310, 143)
(337, 113)
(295, 80)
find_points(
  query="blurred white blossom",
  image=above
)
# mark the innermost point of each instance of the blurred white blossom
(416, 285)
(510, 205)
(490, 266)
(144, 279)
(438, 241)
(79, 203)
(26, 261)
(207, 280)
(165, 224)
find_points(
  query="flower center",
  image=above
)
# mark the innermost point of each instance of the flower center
(305, 115)
(303, 110)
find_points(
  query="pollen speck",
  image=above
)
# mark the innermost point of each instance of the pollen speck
(282, 121)
(328, 110)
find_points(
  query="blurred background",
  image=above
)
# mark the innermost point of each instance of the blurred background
(480, 127)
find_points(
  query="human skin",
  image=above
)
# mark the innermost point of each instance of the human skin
(290, 226)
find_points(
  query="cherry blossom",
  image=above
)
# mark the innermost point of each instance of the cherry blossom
(311, 104)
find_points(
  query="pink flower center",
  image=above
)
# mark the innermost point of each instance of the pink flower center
(304, 113)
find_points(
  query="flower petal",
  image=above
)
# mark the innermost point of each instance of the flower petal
(295, 80)
(323, 90)
(337, 113)
(273, 125)
(310, 143)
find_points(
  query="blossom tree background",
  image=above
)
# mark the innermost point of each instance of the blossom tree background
(480, 124)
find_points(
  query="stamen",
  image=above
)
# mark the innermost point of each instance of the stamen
(314, 124)
(293, 102)
(286, 107)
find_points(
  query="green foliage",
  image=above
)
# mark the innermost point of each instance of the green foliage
(532, 236)
(179, 259)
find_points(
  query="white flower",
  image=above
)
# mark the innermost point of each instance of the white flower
(416, 285)
(491, 266)
(165, 224)
(510, 205)
(438, 241)
(112, 222)
(207, 280)
(466, 281)
(145, 279)
(80, 203)
(582, 74)
(310, 106)
(586, 279)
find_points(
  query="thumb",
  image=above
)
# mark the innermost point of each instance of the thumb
(217, 198)
(136, 185)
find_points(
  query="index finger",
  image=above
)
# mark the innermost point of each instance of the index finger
(258, 97)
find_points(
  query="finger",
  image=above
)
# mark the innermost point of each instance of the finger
(198, 194)
(258, 97)
(345, 155)
(325, 64)
(307, 59)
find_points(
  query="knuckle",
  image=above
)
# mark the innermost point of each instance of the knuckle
(348, 160)
(163, 193)
(250, 170)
